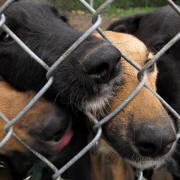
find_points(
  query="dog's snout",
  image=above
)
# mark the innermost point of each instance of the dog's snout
(154, 142)
(58, 124)
(103, 63)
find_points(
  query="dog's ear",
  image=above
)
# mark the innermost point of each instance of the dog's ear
(128, 25)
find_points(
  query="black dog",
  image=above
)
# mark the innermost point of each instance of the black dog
(156, 29)
(87, 74)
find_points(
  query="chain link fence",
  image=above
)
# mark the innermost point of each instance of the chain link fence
(96, 22)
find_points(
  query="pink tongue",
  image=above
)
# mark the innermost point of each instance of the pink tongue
(66, 139)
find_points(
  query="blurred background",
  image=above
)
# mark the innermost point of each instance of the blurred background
(118, 6)
(81, 19)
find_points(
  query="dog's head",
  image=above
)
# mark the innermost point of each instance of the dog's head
(83, 77)
(155, 29)
(46, 128)
(143, 133)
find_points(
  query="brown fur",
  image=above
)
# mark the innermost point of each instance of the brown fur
(108, 165)
(11, 103)
(106, 162)
(137, 51)
(144, 107)
(5, 174)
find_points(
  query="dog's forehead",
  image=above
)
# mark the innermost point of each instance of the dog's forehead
(33, 16)
(32, 8)
(131, 46)
(164, 22)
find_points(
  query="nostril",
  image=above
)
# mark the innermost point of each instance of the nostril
(147, 149)
(100, 72)
(103, 64)
(103, 73)
(153, 150)
(154, 142)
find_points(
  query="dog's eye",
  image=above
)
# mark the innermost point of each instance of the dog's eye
(151, 68)
(4, 37)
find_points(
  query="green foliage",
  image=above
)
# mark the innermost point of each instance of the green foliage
(122, 4)
(129, 11)
(69, 4)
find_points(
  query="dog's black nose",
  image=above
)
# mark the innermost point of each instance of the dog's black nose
(59, 121)
(102, 63)
(154, 142)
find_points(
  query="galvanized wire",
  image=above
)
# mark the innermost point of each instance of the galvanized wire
(123, 104)
(26, 48)
(96, 20)
(79, 155)
(174, 6)
(91, 2)
(9, 132)
(30, 104)
(139, 175)
(74, 46)
(2, 20)
(41, 157)
(5, 5)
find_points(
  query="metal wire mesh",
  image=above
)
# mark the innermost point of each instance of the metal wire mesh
(96, 21)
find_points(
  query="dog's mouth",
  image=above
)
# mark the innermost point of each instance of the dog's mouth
(146, 164)
(143, 162)
(66, 138)
(99, 105)
(61, 140)
(125, 147)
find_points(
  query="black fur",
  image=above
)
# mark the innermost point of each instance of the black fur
(19, 163)
(156, 29)
(78, 79)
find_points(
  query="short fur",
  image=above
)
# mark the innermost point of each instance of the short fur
(144, 111)
(84, 76)
(91, 74)
(41, 128)
(155, 29)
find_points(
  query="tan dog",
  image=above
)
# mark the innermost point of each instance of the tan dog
(146, 131)
(45, 127)
(40, 115)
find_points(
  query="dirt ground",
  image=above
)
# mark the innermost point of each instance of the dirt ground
(82, 21)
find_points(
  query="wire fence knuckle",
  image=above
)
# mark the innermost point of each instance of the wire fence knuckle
(2, 19)
(101, 9)
(8, 132)
(25, 47)
(7, 137)
(73, 47)
(80, 154)
(5, 5)
(96, 123)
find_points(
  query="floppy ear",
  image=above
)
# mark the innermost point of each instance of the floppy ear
(128, 25)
